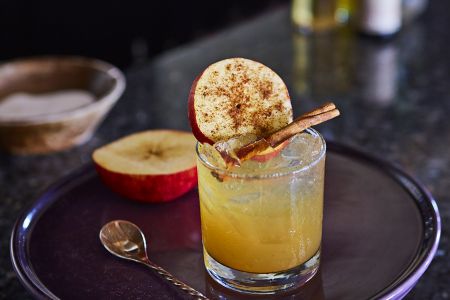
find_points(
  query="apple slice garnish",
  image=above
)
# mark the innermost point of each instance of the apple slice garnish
(235, 97)
(150, 166)
(270, 152)
(237, 149)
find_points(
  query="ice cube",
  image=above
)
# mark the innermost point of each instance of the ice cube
(302, 149)
(209, 154)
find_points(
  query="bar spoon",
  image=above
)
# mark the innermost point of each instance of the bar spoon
(125, 240)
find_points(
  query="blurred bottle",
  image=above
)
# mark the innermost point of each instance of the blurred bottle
(319, 15)
(301, 65)
(378, 71)
(322, 64)
(381, 18)
(412, 9)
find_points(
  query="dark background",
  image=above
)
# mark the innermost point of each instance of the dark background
(121, 32)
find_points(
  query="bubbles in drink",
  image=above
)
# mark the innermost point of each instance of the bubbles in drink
(245, 198)
(273, 202)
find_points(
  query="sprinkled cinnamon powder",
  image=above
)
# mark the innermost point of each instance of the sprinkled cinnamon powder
(240, 96)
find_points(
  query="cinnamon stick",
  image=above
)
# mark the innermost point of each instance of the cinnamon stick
(319, 115)
(321, 109)
(299, 125)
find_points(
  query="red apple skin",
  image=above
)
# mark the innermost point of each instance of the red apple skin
(192, 116)
(149, 188)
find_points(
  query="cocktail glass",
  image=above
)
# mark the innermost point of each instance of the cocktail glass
(262, 222)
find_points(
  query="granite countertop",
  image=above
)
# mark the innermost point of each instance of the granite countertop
(394, 95)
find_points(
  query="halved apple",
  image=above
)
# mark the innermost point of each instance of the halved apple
(235, 97)
(150, 166)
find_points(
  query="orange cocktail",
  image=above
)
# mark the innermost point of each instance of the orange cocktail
(264, 217)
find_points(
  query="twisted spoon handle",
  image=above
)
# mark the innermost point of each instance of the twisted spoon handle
(169, 277)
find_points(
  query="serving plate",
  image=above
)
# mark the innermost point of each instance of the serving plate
(381, 231)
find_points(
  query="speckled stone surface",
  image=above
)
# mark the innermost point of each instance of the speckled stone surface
(394, 96)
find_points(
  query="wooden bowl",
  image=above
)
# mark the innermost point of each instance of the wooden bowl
(57, 130)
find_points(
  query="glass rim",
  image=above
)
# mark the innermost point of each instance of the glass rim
(283, 171)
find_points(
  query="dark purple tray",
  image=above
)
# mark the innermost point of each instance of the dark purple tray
(381, 231)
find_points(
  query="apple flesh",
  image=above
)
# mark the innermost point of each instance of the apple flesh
(235, 97)
(270, 152)
(228, 149)
(150, 166)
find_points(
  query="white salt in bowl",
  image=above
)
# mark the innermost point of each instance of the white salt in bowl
(50, 104)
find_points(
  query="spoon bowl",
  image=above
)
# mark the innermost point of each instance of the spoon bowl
(126, 240)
